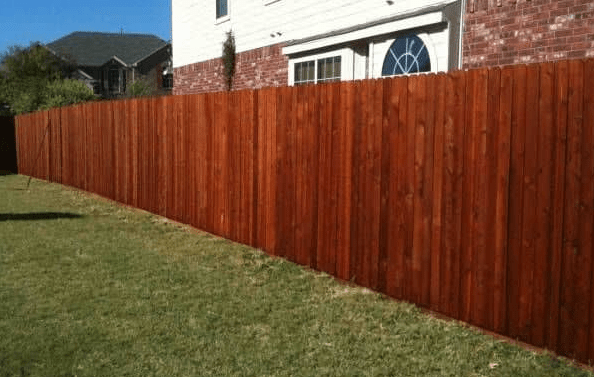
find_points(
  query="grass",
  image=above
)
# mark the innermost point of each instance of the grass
(91, 288)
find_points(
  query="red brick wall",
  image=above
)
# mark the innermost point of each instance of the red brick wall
(259, 68)
(501, 32)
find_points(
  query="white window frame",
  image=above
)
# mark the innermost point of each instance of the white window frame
(333, 77)
(313, 80)
(346, 61)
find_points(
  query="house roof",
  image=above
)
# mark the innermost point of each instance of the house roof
(96, 49)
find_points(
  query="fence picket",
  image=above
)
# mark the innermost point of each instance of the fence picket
(543, 223)
(489, 189)
(399, 215)
(387, 128)
(518, 142)
(327, 208)
(585, 212)
(574, 290)
(454, 131)
(480, 262)
(345, 184)
(559, 163)
(437, 210)
(588, 177)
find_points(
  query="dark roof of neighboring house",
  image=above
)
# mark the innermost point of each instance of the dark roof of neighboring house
(96, 49)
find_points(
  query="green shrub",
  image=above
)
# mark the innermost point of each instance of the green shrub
(139, 88)
(66, 92)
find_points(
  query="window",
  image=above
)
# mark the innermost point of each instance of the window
(305, 72)
(96, 87)
(408, 54)
(329, 69)
(113, 80)
(325, 66)
(222, 9)
(167, 81)
(116, 81)
(317, 71)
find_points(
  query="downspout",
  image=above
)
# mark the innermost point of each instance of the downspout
(371, 61)
(460, 49)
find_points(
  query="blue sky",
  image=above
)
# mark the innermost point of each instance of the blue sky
(25, 21)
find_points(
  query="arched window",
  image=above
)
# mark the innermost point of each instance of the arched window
(408, 54)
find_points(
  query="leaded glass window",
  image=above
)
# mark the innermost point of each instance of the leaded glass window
(408, 54)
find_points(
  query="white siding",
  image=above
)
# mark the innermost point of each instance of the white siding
(257, 23)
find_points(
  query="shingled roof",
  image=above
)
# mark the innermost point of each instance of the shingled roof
(95, 49)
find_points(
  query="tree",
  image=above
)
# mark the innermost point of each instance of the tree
(33, 78)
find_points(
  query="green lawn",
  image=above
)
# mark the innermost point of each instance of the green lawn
(90, 288)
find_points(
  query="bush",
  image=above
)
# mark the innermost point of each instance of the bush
(66, 92)
(139, 88)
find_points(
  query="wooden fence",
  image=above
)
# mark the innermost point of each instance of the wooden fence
(468, 193)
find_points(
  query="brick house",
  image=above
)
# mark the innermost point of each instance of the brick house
(281, 42)
(109, 62)
(501, 32)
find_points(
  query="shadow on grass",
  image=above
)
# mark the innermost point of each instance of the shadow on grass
(39, 216)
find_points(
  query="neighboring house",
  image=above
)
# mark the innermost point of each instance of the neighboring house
(109, 62)
(283, 42)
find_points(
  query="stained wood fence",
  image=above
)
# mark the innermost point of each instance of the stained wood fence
(468, 193)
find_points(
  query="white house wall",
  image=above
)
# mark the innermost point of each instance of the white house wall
(198, 37)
